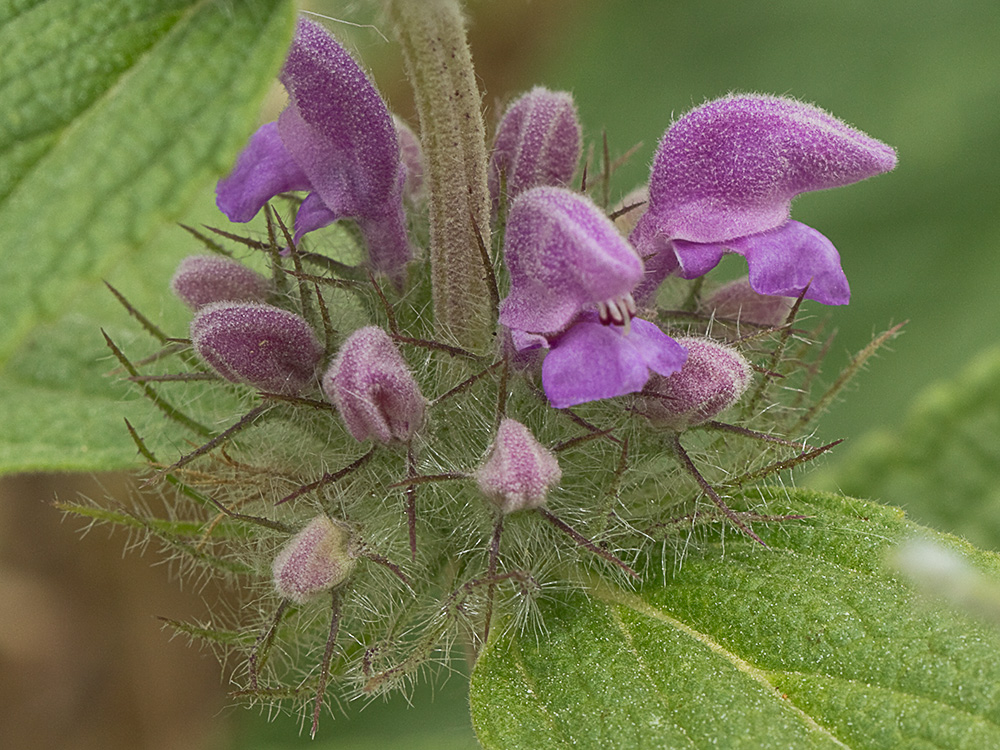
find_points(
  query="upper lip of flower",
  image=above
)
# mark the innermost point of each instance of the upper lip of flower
(336, 139)
(724, 177)
(564, 257)
(570, 273)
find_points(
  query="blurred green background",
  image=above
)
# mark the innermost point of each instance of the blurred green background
(919, 244)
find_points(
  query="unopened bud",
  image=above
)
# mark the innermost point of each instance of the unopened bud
(518, 471)
(537, 143)
(713, 378)
(738, 301)
(317, 559)
(412, 156)
(263, 346)
(373, 389)
(203, 279)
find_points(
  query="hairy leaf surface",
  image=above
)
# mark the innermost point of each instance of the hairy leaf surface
(113, 115)
(810, 643)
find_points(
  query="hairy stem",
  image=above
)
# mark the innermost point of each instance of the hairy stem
(439, 66)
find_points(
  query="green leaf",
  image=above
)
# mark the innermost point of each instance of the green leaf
(943, 464)
(811, 643)
(113, 117)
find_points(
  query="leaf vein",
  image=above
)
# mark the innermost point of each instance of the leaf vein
(606, 594)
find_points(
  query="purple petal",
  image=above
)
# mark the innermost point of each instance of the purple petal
(592, 361)
(784, 260)
(373, 389)
(695, 259)
(310, 148)
(563, 255)
(518, 471)
(264, 169)
(312, 215)
(713, 378)
(537, 143)
(658, 257)
(660, 352)
(389, 248)
(349, 151)
(731, 167)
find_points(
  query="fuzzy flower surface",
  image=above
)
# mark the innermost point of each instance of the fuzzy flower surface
(335, 139)
(261, 345)
(518, 471)
(712, 379)
(723, 179)
(373, 389)
(571, 279)
(203, 279)
(538, 142)
(315, 560)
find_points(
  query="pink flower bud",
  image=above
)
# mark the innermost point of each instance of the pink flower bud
(317, 559)
(538, 143)
(518, 471)
(263, 346)
(713, 378)
(412, 155)
(203, 279)
(737, 300)
(373, 389)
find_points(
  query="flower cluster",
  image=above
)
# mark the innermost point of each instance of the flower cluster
(393, 473)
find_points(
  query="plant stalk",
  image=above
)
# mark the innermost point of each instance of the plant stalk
(439, 66)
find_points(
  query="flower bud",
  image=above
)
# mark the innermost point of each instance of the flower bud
(263, 346)
(518, 470)
(713, 378)
(412, 156)
(203, 279)
(317, 559)
(738, 301)
(537, 143)
(373, 389)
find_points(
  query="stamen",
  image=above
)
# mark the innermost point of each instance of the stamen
(628, 302)
(618, 311)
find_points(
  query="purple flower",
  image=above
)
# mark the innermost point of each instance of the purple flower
(335, 139)
(203, 279)
(518, 471)
(571, 278)
(723, 179)
(261, 345)
(373, 389)
(537, 143)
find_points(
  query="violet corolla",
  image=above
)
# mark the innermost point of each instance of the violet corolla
(571, 281)
(335, 139)
(203, 279)
(723, 179)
